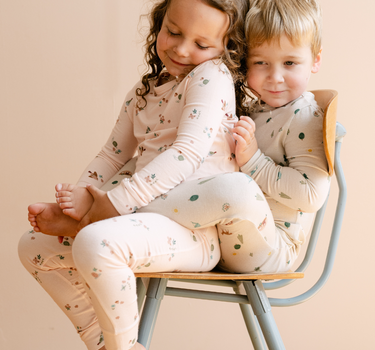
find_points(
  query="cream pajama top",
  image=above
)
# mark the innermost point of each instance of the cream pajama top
(290, 165)
(183, 133)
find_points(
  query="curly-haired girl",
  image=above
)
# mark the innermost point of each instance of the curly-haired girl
(179, 118)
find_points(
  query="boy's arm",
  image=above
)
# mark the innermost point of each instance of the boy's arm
(303, 182)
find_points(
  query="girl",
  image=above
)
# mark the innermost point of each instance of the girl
(179, 118)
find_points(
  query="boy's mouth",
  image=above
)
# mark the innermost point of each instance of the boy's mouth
(275, 92)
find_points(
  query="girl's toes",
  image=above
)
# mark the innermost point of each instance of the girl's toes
(64, 199)
(63, 194)
(66, 187)
(66, 205)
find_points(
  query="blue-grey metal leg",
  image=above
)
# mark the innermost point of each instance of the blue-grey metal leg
(253, 328)
(141, 293)
(155, 294)
(262, 310)
(252, 325)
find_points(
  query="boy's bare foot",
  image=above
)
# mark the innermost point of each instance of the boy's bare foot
(49, 219)
(73, 200)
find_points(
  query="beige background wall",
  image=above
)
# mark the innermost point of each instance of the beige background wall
(65, 67)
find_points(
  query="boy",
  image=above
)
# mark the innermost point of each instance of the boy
(284, 39)
(280, 145)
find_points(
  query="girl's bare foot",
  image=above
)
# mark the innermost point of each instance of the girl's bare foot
(73, 200)
(49, 219)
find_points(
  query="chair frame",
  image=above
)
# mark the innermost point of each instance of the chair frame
(258, 318)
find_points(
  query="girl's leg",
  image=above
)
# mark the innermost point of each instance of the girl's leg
(249, 239)
(108, 253)
(52, 266)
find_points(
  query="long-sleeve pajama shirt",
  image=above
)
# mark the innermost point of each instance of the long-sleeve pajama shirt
(193, 210)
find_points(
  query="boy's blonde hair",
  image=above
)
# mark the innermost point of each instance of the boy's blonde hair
(299, 20)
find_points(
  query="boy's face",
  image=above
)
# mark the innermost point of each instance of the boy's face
(278, 74)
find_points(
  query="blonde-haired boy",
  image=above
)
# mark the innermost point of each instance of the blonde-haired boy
(281, 144)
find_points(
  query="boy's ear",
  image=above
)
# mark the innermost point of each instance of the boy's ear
(317, 62)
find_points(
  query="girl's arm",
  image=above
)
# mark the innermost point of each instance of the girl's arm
(208, 100)
(302, 181)
(119, 148)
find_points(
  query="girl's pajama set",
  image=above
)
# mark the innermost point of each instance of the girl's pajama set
(183, 204)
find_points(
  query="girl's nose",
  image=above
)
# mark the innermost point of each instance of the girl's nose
(181, 49)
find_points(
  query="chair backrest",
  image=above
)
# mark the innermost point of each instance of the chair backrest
(327, 100)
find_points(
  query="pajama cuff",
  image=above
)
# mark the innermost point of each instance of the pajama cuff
(250, 166)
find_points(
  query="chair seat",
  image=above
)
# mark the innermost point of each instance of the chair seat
(218, 275)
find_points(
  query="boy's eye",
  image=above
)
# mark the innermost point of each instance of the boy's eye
(289, 63)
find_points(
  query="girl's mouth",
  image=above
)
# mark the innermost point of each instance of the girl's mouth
(178, 63)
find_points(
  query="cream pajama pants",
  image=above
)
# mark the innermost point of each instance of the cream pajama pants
(197, 225)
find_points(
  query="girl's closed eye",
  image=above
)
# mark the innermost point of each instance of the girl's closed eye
(202, 47)
(172, 33)
(259, 63)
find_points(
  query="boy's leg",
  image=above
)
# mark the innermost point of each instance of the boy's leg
(52, 266)
(216, 200)
(108, 253)
(249, 240)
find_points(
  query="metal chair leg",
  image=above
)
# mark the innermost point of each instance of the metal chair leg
(155, 294)
(252, 325)
(141, 293)
(262, 309)
(253, 328)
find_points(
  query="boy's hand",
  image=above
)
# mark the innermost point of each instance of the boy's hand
(101, 209)
(246, 143)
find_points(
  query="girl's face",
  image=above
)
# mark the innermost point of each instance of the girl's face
(279, 73)
(191, 34)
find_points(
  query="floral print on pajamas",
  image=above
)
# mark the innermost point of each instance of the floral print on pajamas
(189, 212)
(183, 133)
(92, 278)
(290, 166)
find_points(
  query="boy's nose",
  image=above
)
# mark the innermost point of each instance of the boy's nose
(276, 76)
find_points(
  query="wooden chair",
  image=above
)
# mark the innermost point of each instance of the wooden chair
(258, 318)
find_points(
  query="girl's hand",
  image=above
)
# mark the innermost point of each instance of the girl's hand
(246, 143)
(101, 209)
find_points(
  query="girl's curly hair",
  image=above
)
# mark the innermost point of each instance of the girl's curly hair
(234, 55)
